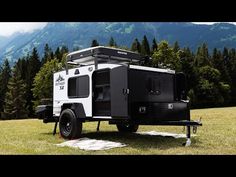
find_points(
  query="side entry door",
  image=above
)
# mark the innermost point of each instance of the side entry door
(119, 92)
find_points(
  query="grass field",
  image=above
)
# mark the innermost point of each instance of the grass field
(216, 136)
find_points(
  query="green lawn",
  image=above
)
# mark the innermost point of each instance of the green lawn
(216, 136)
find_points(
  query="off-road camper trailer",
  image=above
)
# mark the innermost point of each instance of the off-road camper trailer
(108, 85)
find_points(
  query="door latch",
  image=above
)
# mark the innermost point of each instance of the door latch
(125, 91)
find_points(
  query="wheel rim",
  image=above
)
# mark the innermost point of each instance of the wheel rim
(66, 125)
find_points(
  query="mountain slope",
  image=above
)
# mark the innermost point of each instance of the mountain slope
(80, 35)
(2, 41)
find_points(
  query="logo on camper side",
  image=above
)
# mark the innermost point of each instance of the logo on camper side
(60, 81)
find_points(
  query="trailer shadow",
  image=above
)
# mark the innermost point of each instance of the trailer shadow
(139, 141)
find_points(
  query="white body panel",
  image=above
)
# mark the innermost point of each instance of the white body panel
(60, 88)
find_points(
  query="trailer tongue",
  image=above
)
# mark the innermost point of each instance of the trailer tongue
(108, 85)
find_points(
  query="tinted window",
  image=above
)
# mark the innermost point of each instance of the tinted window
(78, 87)
(83, 86)
(72, 87)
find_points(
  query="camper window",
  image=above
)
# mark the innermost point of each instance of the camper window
(78, 87)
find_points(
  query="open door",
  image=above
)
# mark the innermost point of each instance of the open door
(119, 92)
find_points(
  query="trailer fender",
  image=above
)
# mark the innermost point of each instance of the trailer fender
(76, 107)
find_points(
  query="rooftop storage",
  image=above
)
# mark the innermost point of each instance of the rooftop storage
(102, 54)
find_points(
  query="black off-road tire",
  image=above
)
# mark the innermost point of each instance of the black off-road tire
(70, 127)
(127, 127)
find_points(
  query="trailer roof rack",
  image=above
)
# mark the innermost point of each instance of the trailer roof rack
(101, 54)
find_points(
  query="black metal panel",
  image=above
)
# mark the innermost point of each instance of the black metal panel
(148, 86)
(181, 93)
(152, 98)
(119, 92)
(155, 112)
(78, 109)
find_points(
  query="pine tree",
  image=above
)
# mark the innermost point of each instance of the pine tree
(48, 54)
(112, 42)
(216, 58)
(231, 60)
(5, 75)
(27, 68)
(47, 51)
(51, 55)
(94, 43)
(187, 67)
(145, 48)
(176, 47)
(32, 70)
(202, 57)
(226, 62)
(15, 102)
(60, 51)
(219, 62)
(136, 47)
(231, 67)
(34, 60)
(64, 49)
(154, 45)
(22, 65)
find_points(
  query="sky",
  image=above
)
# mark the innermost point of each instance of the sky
(8, 28)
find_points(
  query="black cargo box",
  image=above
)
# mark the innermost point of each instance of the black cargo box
(103, 54)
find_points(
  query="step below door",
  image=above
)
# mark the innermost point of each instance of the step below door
(119, 92)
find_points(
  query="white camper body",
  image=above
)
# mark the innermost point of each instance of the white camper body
(60, 88)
